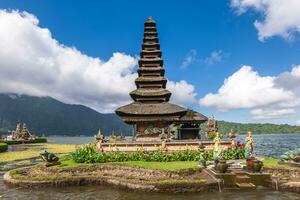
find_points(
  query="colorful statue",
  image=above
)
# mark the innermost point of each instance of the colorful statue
(217, 147)
(249, 146)
(50, 158)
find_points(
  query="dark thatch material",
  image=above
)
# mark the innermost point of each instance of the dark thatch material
(192, 117)
(151, 92)
(157, 109)
(151, 79)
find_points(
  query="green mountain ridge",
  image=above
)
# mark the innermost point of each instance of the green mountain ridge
(256, 128)
(46, 115)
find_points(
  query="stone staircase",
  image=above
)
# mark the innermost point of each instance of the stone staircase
(244, 182)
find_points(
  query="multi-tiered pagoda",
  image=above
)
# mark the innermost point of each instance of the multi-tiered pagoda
(150, 113)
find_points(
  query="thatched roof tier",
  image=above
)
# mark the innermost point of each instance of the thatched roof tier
(192, 116)
(149, 53)
(150, 40)
(156, 71)
(143, 81)
(150, 29)
(153, 46)
(150, 61)
(132, 120)
(148, 109)
(150, 34)
(148, 94)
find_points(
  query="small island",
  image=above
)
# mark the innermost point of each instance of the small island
(166, 152)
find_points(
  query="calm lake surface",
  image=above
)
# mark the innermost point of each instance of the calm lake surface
(268, 144)
(111, 193)
(272, 145)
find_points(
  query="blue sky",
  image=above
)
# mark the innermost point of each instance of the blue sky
(198, 29)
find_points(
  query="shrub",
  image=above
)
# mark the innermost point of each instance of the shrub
(233, 153)
(89, 154)
(3, 147)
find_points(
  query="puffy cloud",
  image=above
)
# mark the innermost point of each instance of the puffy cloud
(215, 56)
(298, 122)
(246, 89)
(32, 62)
(280, 17)
(261, 113)
(269, 97)
(190, 57)
(182, 92)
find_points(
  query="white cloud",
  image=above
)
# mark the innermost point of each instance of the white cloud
(269, 97)
(215, 56)
(246, 89)
(190, 57)
(298, 122)
(280, 17)
(182, 92)
(261, 113)
(32, 62)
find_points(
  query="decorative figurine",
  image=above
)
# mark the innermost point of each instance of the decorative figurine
(217, 147)
(249, 146)
(50, 158)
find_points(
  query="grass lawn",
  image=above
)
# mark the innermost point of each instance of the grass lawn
(273, 163)
(177, 165)
(33, 150)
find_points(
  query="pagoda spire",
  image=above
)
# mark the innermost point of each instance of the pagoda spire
(151, 83)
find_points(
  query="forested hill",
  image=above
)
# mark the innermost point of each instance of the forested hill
(225, 127)
(45, 115)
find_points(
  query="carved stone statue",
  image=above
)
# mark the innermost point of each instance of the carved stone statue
(50, 158)
(153, 131)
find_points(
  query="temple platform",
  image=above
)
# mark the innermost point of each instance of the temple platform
(131, 146)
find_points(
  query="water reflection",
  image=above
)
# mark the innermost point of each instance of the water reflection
(110, 193)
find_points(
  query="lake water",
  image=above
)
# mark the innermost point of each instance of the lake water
(272, 145)
(269, 145)
(111, 193)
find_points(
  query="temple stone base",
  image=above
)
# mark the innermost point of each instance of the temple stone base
(158, 145)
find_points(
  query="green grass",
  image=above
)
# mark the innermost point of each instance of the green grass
(273, 163)
(69, 163)
(33, 151)
(177, 165)
(170, 166)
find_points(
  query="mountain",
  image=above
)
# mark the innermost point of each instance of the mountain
(45, 115)
(225, 127)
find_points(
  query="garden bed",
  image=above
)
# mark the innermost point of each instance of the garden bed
(171, 176)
